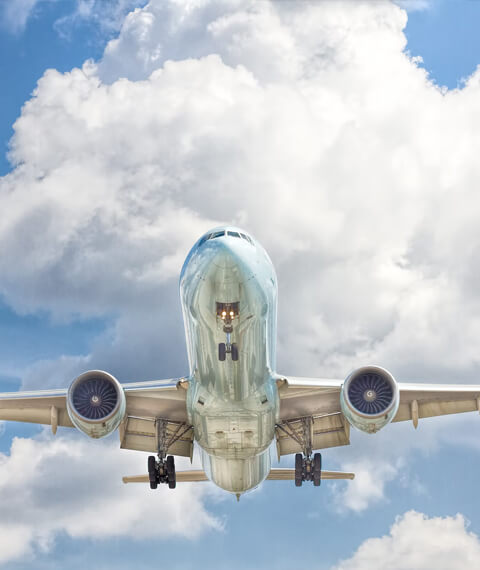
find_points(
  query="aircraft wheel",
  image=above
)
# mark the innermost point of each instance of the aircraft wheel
(298, 469)
(222, 351)
(152, 472)
(234, 352)
(317, 469)
(172, 479)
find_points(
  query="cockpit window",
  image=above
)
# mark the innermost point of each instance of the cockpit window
(247, 238)
(222, 233)
(211, 236)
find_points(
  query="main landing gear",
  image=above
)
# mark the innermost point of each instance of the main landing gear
(162, 471)
(308, 469)
(227, 312)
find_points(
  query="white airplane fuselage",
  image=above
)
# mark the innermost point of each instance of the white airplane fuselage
(228, 292)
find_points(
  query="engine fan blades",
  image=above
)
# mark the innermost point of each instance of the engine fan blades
(370, 393)
(95, 398)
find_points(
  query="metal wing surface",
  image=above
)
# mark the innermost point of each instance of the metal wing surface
(146, 402)
(320, 400)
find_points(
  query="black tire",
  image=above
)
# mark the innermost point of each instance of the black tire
(317, 469)
(171, 476)
(234, 352)
(222, 351)
(152, 472)
(298, 469)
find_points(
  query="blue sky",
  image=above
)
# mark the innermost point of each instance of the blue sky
(109, 299)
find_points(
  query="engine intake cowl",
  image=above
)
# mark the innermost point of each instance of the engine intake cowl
(96, 403)
(369, 398)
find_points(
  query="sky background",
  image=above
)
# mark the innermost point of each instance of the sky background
(344, 136)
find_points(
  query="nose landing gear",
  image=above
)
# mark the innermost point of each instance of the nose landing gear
(227, 348)
(227, 312)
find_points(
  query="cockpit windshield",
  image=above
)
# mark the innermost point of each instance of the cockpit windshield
(222, 233)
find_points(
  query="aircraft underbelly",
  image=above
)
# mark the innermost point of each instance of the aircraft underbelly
(235, 435)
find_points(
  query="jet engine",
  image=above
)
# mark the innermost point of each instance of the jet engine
(369, 398)
(96, 403)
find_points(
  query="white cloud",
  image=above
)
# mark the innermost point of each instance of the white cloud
(418, 541)
(16, 13)
(368, 487)
(73, 486)
(107, 15)
(348, 151)
(415, 5)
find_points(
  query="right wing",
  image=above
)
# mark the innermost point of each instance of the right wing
(319, 399)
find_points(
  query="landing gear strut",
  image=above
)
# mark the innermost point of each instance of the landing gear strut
(308, 469)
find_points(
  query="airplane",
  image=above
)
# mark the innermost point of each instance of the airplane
(233, 404)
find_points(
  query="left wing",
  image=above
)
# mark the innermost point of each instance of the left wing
(146, 404)
(319, 399)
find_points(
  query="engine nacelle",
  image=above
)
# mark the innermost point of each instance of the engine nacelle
(96, 403)
(369, 398)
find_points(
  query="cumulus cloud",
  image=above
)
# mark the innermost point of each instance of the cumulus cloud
(73, 486)
(344, 159)
(421, 542)
(306, 123)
